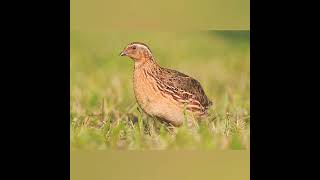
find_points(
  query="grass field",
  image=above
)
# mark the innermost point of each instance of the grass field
(103, 110)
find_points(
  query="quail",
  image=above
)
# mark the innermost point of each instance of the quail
(165, 94)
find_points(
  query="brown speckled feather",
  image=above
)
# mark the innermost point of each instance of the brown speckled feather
(183, 88)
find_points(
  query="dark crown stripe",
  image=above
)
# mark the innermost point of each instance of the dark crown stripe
(141, 44)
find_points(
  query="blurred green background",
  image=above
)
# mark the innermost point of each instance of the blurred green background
(103, 112)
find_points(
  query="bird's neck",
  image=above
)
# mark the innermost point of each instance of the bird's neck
(146, 62)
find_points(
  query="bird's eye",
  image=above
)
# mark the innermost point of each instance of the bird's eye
(134, 47)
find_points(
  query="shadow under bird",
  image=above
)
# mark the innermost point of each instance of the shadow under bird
(163, 93)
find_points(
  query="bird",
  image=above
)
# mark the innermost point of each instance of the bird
(165, 94)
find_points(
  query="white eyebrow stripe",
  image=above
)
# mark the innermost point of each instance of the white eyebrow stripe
(143, 46)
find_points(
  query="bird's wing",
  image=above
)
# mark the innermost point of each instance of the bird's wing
(185, 87)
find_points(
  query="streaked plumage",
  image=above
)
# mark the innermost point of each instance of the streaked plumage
(164, 93)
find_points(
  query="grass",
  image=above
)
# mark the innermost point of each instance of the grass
(103, 110)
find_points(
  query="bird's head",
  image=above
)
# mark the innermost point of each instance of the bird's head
(137, 51)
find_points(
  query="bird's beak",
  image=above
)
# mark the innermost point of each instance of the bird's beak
(123, 53)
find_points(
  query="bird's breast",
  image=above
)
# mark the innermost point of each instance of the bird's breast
(143, 90)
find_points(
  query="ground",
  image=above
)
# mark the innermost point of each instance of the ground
(103, 110)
